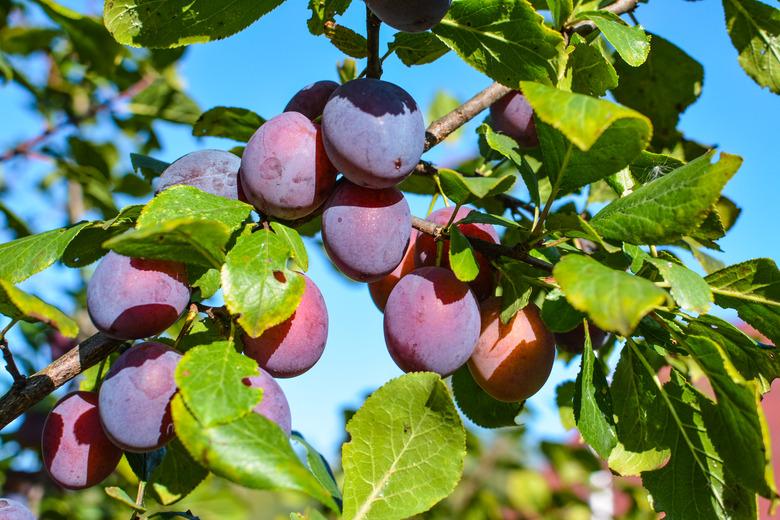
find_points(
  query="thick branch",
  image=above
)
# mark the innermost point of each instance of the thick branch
(27, 393)
(441, 128)
(373, 26)
(487, 248)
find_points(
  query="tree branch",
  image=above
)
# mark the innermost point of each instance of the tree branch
(373, 26)
(441, 128)
(27, 393)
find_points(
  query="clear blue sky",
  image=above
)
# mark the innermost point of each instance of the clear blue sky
(263, 66)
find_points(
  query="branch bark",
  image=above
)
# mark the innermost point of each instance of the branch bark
(373, 27)
(441, 128)
(35, 388)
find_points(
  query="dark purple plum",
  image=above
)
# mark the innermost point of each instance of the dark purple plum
(381, 289)
(310, 100)
(285, 171)
(410, 15)
(13, 510)
(513, 116)
(573, 341)
(137, 391)
(76, 451)
(425, 248)
(512, 362)
(373, 132)
(212, 171)
(274, 405)
(295, 345)
(366, 232)
(133, 298)
(432, 322)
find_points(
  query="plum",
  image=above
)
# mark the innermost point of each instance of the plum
(410, 15)
(373, 132)
(513, 361)
(365, 231)
(137, 391)
(425, 248)
(573, 341)
(310, 100)
(212, 171)
(13, 510)
(285, 172)
(133, 298)
(513, 116)
(380, 290)
(431, 322)
(274, 405)
(295, 345)
(76, 451)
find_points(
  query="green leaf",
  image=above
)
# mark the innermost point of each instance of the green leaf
(443, 103)
(6, 71)
(628, 463)
(26, 40)
(508, 148)
(517, 279)
(630, 42)
(161, 100)
(662, 88)
(754, 28)
(258, 285)
(561, 11)
(179, 202)
(194, 241)
(323, 11)
(319, 467)
(121, 496)
(172, 23)
(149, 167)
(19, 305)
(479, 406)
(295, 242)
(583, 119)
(417, 48)
(177, 475)
(462, 260)
(564, 399)
(406, 450)
(233, 123)
(736, 423)
(505, 39)
(87, 246)
(589, 70)
(593, 404)
(752, 289)
(464, 189)
(347, 41)
(664, 210)
(688, 289)
(23, 257)
(210, 379)
(251, 451)
(614, 300)
(558, 314)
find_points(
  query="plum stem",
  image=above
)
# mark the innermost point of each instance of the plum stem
(373, 28)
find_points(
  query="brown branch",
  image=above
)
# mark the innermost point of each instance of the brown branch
(441, 128)
(27, 393)
(373, 26)
(26, 147)
(487, 248)
(585, 27)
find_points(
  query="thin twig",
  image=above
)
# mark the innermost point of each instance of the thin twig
(373, 27)
(8, 356)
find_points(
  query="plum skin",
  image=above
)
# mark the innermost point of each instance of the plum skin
(431, 322)
(425, 248)
(285, 171)
(295, 345)
(512, 115)
(13, 510)
(274, 405)
(573, 341)
(212, 171)
(134, 298)
(366, 232)
(373, 132)
(76, 451)
(410, 15)
(311, 99)
(380, 290)
(512, 362)
(137, 391)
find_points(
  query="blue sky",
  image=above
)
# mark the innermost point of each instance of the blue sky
(262, 67)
